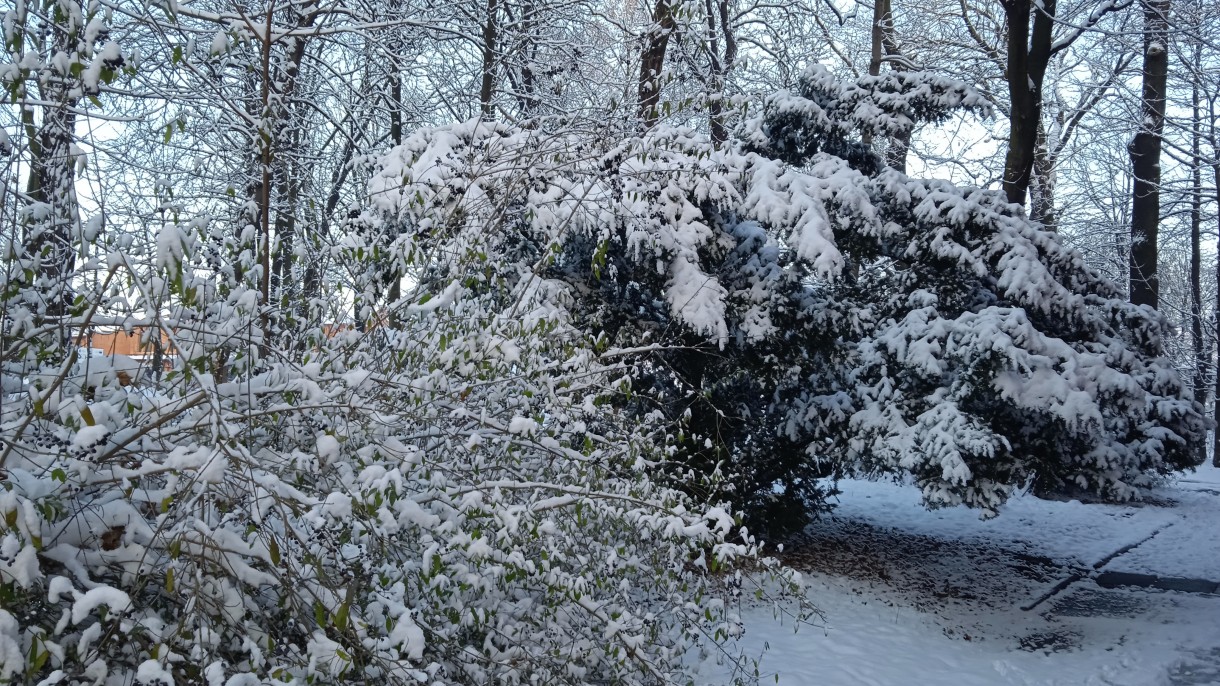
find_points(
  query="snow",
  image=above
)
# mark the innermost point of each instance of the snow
(974, 631)
(698, 299)
(328, 448)
(325, 655)
(86, 603)
(1070, 530)
(1189, 546)
(24, 568)
(59, 586)
(287, 492)
(171, 246)
(12, 660)
(89, 436)
(447, 297)
(409, 635)
(55, 677)
(868, 643)
(522, 425)
(338, 505)
(151, 672)
(109, 56)
(220, 44)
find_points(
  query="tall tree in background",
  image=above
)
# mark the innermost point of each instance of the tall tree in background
(490, 38)
(1029, 53)
(884, 48)
(60, 58)
(1145, 152)
(1201, 361)
(1211, 132)
(1031, 44)
(652, 61)
(721, 48)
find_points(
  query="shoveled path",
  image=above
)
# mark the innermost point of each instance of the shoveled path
(1044, 577)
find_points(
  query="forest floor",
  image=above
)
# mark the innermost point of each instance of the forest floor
(1047, 593)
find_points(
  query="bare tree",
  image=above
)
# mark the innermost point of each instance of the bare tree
(1026, 47)
(1145, 152)
(721, 47)
(1029, 53)
(652, 61)
(58, 68)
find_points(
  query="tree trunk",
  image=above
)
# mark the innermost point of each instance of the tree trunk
(52, 183)
(1029, 52)
(1216, 396)
(900, 143)
(276, 141)
(1145, 152)
(396, 107)
(874, 53)
(288, 187)
(1196, 287)
(528, 97)
(720, 30)
(652, 62)
(490, 36)
(286, 172)
(266, 156)
(1042, 182)
(395, 291)
(1196, 225)
(50, 230)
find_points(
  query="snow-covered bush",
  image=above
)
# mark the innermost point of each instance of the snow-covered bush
(452, 499)
(983, 353)
(796, 309)
(660, 267)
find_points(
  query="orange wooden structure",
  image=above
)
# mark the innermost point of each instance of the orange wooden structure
(120, 342)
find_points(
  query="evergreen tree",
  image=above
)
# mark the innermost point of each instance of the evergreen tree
(797, 309)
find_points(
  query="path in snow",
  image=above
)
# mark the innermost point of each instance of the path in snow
(913, 597)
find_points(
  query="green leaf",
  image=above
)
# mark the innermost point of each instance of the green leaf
(274, 549)
(37, 658)
(341, 615)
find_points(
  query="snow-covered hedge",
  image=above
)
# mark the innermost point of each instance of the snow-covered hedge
(803, 310)
(453, 498)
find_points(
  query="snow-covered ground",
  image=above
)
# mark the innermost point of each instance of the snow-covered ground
(909, 596)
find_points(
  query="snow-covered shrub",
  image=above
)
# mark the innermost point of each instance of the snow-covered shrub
(981, 352)
(452, 499)
(666, 263)
(796, 309)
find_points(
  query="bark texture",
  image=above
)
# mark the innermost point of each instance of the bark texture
(1029, 52)
(652, 62)
(1145, 153)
